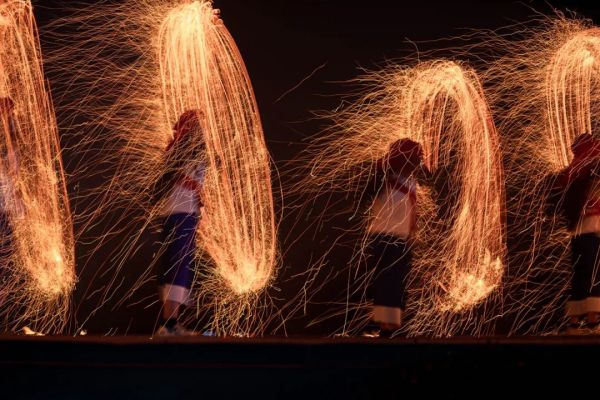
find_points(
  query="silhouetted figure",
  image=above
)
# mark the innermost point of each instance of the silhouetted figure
(393, 222)
(576, 193)
(180, 191)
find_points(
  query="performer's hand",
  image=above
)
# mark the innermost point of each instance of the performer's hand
(216, 17)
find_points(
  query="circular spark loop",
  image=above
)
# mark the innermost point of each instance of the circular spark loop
(446, 111)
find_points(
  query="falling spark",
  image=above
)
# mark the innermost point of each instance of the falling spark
(39, 274)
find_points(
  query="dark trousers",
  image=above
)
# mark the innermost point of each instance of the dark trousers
(6, 241)
(390, 258)
(585, 253)
(176, 266)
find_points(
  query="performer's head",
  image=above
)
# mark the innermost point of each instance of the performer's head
(188, 138)
(404, 157)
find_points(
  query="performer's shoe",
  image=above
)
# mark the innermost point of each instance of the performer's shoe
(372, 330)
(375, 331)
(592, 328)
(175, 330)
(575, 329)
(29, 332)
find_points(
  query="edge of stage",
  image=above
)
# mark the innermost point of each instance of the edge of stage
(194, 367)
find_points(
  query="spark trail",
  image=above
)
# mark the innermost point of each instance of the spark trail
(38, 271)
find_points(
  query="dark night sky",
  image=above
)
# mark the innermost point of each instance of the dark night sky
(282, 42)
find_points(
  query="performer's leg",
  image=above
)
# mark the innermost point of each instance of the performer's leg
(592, 275)
(391, 260)
(170, 310)
(578, 291)
(177, 264)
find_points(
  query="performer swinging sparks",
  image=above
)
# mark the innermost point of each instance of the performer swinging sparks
(394, 215)
(200, 68)
(179, 56)
(459, 250)
(549, 76)
(578, 186)
(181, 187)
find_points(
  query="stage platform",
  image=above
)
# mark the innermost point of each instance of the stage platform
(280, 368)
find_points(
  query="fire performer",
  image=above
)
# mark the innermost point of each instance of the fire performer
(180, 191)
(577, 190)
(394, 216)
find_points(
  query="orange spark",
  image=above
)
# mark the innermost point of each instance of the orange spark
(571, 82)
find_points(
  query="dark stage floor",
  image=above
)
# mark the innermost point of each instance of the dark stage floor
(348, 368)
